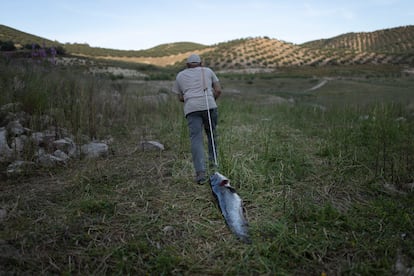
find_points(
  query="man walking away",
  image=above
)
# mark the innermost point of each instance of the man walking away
(198, 88)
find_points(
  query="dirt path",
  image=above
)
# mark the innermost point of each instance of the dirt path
(319, 85)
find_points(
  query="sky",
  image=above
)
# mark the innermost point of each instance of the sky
(142, 24)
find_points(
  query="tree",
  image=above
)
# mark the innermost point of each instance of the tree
(7, 46)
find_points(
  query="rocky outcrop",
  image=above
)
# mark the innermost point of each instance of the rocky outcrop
(23, 149)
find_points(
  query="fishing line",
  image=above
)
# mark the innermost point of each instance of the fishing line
(209, 121)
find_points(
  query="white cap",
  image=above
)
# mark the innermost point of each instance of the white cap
(194, 59)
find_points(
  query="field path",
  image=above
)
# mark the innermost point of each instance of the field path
(319, 85)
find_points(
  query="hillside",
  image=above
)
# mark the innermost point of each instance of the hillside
(389, 41)
(162, 50)
(388, 46)
(395, 46)
(21, 38)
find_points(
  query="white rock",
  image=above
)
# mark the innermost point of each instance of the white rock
(150, 145)
(38, 138)
(49, 160)
(15, 128)
(19, 143)
(66, 145)
(5, 151)
(62, 155)
(19, 167)
(94, 150)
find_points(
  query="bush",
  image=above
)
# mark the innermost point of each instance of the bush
(7, 46)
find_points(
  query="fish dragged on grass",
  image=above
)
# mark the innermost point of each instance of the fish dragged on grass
(231, 206)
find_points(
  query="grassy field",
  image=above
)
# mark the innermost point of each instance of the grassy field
(326, 177)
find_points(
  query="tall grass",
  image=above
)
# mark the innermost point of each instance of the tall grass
(378, 137)
(315, 185)
(83, 104)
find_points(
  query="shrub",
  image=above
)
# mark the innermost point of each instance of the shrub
(7, 46)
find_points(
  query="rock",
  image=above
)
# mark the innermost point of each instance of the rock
(3, 214)
(366, 118)
(15, 128)
(169, 230)
(37, 138)
(109, 140)
(401, 267)
(11, 107)
(152, 145)
(94, 150)
(18, 167)
(66, 145)
(43, 139)
(401, 119)
(49, 160)
(20, 117)
(7, 112)
(62, 155)
(19, 145)
(5, 151)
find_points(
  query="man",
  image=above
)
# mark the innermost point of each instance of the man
(198, 88)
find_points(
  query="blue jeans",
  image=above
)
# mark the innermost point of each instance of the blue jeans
(196, 122)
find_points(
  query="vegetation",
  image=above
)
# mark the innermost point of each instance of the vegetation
(326, 176)
(396, 40)
(388, 46)
(22, 38)
(158, 51)
(348, 49)
(7, 46)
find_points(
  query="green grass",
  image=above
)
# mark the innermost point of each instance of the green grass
(325, 190)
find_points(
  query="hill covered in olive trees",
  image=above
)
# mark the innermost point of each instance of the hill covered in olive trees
(387, 46)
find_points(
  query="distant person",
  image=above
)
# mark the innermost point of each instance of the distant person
(198, 88)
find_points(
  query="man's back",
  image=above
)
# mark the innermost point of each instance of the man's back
(195, 84)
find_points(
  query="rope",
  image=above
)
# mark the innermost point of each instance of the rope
(209, 120)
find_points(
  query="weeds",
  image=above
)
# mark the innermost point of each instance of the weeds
(312, 181)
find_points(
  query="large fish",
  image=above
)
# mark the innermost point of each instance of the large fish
(231, 206)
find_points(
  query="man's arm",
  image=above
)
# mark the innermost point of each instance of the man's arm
(176, 89)
(180, 97)
(217, 90)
